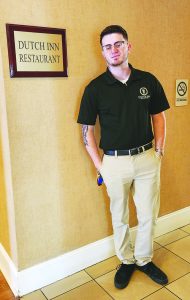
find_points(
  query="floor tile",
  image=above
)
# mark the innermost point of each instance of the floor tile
(66, 284)
(88, 291)
(34, 296)
(139, 286)
(171, 237)
(171, 264)
(156, 246)
(181, 287)
(103, 267)
(171, 255)
(162, 294)
(181, 248)
(186, 228)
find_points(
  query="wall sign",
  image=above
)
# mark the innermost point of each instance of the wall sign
(36, 51)
(181, 92)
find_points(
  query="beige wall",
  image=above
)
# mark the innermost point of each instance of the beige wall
(58, 206)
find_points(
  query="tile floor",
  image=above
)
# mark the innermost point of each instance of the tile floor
(172, 254)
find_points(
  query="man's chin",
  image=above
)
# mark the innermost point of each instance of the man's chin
(116, 64)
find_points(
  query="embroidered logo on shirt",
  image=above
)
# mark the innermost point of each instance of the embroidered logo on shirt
(144, 93)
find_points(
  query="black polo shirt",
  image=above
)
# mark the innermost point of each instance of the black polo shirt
(124, 110)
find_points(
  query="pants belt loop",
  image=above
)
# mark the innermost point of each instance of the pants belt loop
(115, 153)
(143, 148)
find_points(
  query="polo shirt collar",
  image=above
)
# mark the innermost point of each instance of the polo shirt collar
(111, 79)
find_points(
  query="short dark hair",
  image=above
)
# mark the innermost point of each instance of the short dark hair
(113, 29)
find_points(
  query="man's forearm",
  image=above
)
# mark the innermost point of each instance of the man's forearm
(159, 126)
(90, 144)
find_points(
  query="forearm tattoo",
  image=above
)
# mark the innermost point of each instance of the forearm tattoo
(84, 134)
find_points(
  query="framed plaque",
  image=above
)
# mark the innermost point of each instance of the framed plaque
(36, 51)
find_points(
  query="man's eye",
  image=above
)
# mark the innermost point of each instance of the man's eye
(108, 47)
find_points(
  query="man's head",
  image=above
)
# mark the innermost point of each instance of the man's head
(115, 45)
(113, 29)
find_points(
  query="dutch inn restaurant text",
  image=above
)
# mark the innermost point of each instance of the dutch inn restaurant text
(38, 46)
(38, 51)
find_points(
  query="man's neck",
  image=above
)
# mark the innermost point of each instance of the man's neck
(121, 72)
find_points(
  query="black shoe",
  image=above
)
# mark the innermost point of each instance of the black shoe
(154, 273)
(123, 275)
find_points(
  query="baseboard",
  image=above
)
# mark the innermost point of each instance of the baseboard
(43, 274)
(9, 270)
(64, 265)
(172, 221)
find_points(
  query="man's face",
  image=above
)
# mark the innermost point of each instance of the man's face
(115, 49)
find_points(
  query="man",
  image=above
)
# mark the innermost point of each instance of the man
(130, 104)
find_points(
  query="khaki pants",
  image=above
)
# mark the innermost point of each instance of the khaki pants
(140, 174)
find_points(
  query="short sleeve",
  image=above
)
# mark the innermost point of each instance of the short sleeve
(88, 108)
(158, 101)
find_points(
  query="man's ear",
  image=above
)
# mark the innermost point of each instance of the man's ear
(129, 47)
(103, 54)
